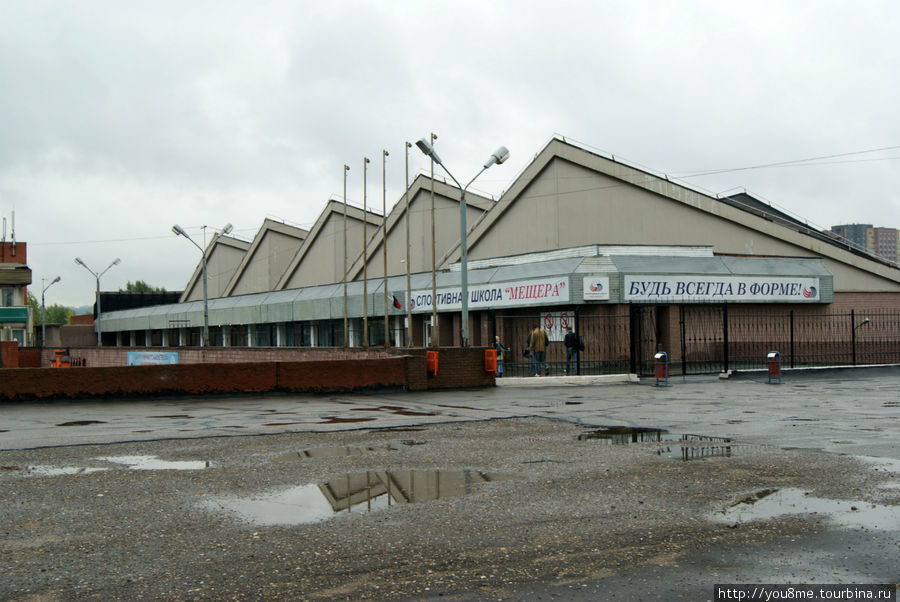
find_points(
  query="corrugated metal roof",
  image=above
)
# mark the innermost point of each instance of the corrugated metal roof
(326, 301)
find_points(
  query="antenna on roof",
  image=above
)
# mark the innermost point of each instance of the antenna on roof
(13, 231)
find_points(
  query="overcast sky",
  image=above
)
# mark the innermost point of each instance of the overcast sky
(119, 119)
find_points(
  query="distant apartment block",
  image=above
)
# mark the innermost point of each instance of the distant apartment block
(15, 276)
(883, 242)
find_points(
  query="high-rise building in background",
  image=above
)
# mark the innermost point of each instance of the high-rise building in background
(883, 242)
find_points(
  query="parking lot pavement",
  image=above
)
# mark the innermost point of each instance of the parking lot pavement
(844, 411)
(578, 519)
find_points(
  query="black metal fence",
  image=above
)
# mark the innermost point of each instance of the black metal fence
(705, 339)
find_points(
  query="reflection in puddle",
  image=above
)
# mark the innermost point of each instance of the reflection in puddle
(686, 452)
(773, 503)
(154, 463)
(358, 492)
(621, 435)
(81, 423)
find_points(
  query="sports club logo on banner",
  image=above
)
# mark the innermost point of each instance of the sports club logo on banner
(596, 288)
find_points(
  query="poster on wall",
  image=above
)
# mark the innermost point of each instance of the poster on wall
(150, 358)
(556, 322)
(736, 289)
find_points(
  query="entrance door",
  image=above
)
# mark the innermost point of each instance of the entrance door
(644, 337)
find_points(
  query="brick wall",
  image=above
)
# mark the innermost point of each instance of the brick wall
(9, 354)
(322, 373)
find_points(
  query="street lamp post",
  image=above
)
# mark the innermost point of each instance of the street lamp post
(179, 231)
(97, 276)
(499, 156)
(43, 322)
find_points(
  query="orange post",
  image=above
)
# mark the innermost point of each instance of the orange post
(431, 362)
(490, 361)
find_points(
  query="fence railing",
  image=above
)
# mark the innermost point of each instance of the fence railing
(705, 339)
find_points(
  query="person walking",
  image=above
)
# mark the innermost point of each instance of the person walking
(573, 346)
(499, 348)
(537, 342)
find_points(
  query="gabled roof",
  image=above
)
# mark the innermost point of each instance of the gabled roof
(225, 252)
(419, 190)
(741, 210)
(333, 210)
(255, 260)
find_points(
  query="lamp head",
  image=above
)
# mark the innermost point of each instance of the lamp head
(179, 231)
(227, 229)
(428, 150)
(55, 280)
(116, 261)
(499, 156)
(79, 261)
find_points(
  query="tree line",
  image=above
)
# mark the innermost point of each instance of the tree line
(61, 314)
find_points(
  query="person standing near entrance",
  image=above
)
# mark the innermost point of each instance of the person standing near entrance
(499, 348)
(537, 342)
(573, 345)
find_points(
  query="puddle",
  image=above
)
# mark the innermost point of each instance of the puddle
(131, 462)
(81, 423)
(401, 429)
(769, 504)
(337, 420)
(352, 493)
(59, 471)
(154, 463)
(622, 435)
(882, 464)
(335, 452)
(172, 416)
(396, 411)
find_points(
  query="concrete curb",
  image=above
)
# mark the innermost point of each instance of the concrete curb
(567, 381)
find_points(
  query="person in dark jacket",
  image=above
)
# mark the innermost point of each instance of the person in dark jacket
(573, 344)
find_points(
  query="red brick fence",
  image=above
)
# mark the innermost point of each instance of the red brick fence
(233, 370)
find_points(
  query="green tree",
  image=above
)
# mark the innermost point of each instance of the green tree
(139, 286)
(53, 314)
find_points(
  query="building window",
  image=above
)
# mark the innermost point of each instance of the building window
(7, 296)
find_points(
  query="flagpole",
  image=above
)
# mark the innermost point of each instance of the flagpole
(365, 259)
(387, 330)
(435, 339)
(346, 320)
(409, 342)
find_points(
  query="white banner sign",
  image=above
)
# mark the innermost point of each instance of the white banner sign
(521, 293)
(150, 358)
(596, 288)
(721, 288)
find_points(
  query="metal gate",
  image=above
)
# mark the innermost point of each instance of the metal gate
(708, 339)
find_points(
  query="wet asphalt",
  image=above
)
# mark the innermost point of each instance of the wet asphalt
(845, 412)
(848, 411)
